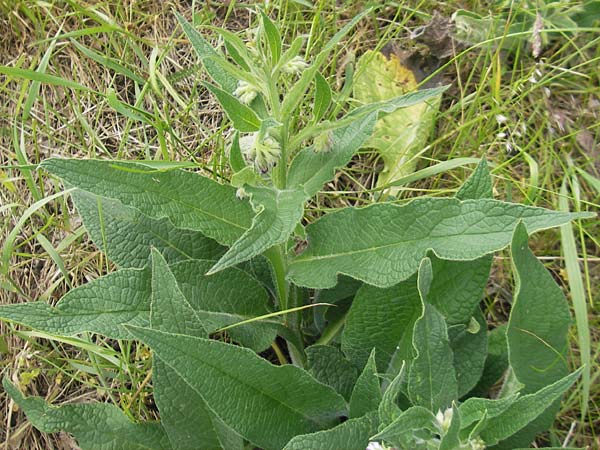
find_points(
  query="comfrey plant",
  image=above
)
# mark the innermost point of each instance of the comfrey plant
(372, 312)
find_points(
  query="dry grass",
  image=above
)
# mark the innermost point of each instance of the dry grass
(557, 117)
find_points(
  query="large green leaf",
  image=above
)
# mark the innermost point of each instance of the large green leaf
(525, 409)
(95, 426)
(277, 214)
(187, 199)
(186, 418)
(537, 332)
(311, 169)
(329, 366)
(383, 244)
(351, 435)
(431, 377)
(126, 235)
(366, 395)
(401, 431)
(123, 297)
(242, 117)
(382, 319)
(266, 404)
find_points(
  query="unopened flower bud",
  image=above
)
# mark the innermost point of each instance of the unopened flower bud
(295, 65)
(245, 92)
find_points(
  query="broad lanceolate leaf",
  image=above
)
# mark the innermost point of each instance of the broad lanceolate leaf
(207, 56)
(470, 351)
(388, 408)
(351, 435)
(242, 117)
(272, 36)
(186, 418)
(266, 404)
(366, 395)
(536, 333)
(401, 431)
(382, 319)
(123, 297)
(322, 97)
(474, 409)
(328, 365)
(525, 409)
(187, 199)
(383, 244)
(311, 169)
(431, 377)
(95, 426)
(126, 235)
(100, 306)
(278, 213)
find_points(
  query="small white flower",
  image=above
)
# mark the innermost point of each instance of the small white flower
(245, 92)
(295, 65)
(501, 135)
(477, 444)
(501, 119)
(444, 419)
(264, 154)
(374, 446)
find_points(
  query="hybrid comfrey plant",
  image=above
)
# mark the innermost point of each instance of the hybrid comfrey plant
(373, 312)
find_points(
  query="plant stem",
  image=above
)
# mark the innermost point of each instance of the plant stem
(331, 331)
(277, 259)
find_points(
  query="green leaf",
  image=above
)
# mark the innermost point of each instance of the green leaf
(104, 305)
(187, 199)
(126, 235)
(470, 351)
(186, 418)
(537, 332)
(95, 426)
(322, 97)
(388, 408)
(242, 117)
(328, 365)
(207, 56)
(474, 409)
(400, 431)
(277, 214)
(383, 244)
(312, 169)
(366, 395)
(100, 306)
(496, 362)
(351, 435)
(40, 77)
(266, 404)
(382, 319)
(273, 37)
(525, 409)
(236, 160)
(431, 377)
(478, 185)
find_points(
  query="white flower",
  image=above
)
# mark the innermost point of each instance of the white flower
(444, 419)
(477, 444)
(374, 446)
(501, 119)
(245, 92)
(264, 154)
(295, 65)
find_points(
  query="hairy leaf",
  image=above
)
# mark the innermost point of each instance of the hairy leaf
(126, 235)
(351, 435)
(266, 404)
(185, 416)
(187, 199)
(242, 117)
(382, 319)
(400, 431)
(431, 377)
(366, 395)
(383, 244)
(95, 426)
(277, 214)
(328, 365)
